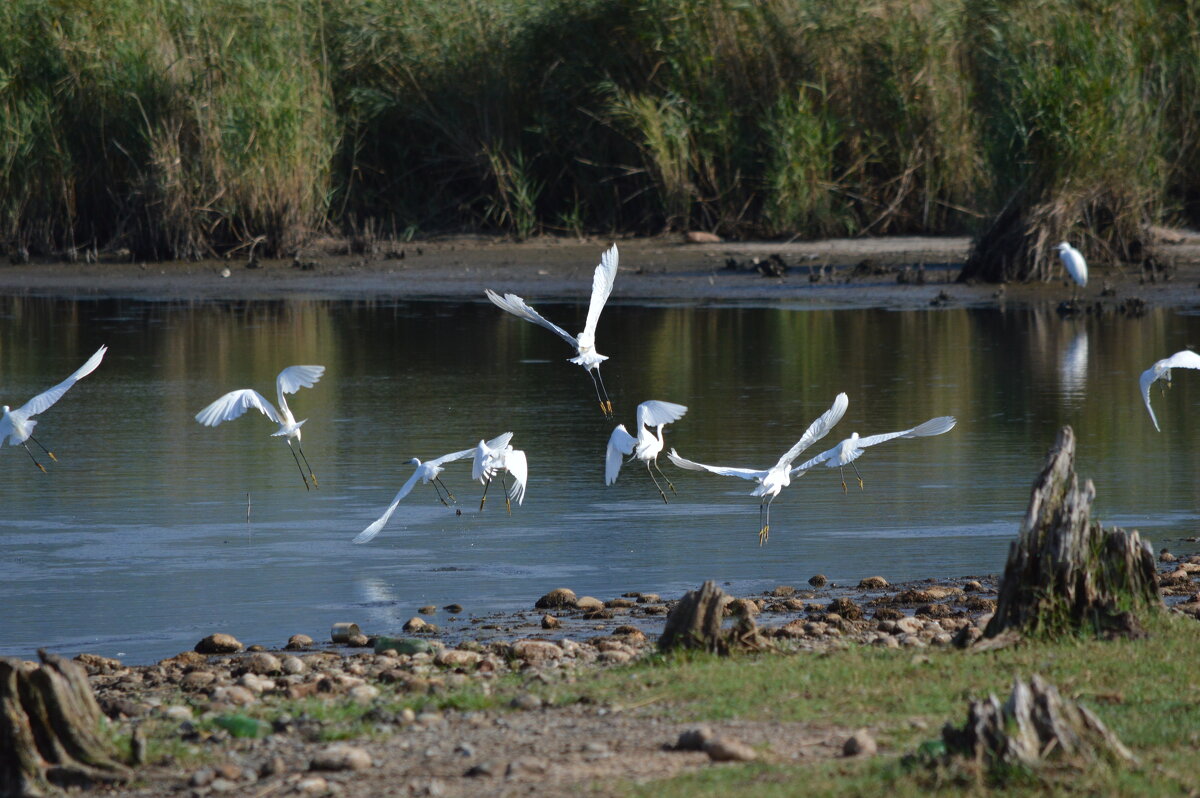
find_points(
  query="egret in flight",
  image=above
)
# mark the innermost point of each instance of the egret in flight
(1074, 263)
(777, 477)
(585, 342)
(849, 450)
(1185, 359)
(426, 472)
(646, 445)
(16, 426)
(233, 404)
(497, 456)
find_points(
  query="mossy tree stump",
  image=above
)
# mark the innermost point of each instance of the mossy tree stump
(51, 730)
(1065, 574)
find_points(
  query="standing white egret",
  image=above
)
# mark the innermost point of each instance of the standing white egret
(1184, 359)
(497, 456)
(774, 479)
(16, 426)
(849, 450)
(233, 404)
(426, 472)
(1075, 265)
(585, 342)
(646, 445)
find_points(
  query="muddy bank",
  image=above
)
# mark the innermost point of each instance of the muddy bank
(895, 272)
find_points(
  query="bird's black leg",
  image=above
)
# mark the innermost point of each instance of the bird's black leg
(842, 471)
(660, 490)
(438, 480)
(507, 498)
(486, 485)
(664, 476)
(595, 384)
(766, 527)
(605, 401)
(860, 482)
(306, 465)
(25, 446)
(44, 449)
(297, 459)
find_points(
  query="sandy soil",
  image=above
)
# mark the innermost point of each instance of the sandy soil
(869, 272)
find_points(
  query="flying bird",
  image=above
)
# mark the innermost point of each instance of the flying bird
(1075, 265)
(497, 456)
(233, 404)
(1184, 359)
(849, 450)
(426, 472)
(774, 479)
(16, 426)
(585, 342)
(646, 445)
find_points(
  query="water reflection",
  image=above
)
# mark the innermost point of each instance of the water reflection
(138, 541)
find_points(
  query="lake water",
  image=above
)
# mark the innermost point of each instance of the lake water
(136, 544)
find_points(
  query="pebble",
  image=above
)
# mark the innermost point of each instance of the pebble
(297, 642)
(526, 765)
(550, 622)
(293, 666)
(846, 608)
(457, 658)
(861, 743)
(363, 694)
(238, 696)
(589, 604)
(725, 749)
(818, 581)
(176, 712)
(649, 598)
(453, 609)
(341, 757)
(358, 641)
(556, 599)
(415, 624)
(526, 701)
(873, 583)
(312, 785)
(197, 680)
(262, 663)
(219, 644)
(428, 609)
(536, 650)
(783, 591)
(487, 769)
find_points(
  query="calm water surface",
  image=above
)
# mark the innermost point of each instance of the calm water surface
(136, 544)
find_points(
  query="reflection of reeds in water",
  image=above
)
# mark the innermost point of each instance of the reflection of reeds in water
(174, 127)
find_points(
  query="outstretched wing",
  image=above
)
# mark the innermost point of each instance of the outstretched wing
(449, 458)
(484, 456)
(823, 457)
(373, 530)
(817, 430)
(43, 401)
(518, 466)
(691, 465)
(293, 378)
(934, 426)
(233, 404)
(1147, 379)
(516, 306)
(602, 284)
(1183, 359)
(655, 412)
(620, 445)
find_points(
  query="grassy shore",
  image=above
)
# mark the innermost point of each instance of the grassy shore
(181, 128)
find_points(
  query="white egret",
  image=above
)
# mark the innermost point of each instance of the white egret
(774, 479)
(849, 450)
(426, 472)
(233, 404)
(497, 456)
(16, 426)
(1184, 359)
(1075, 265)
(646, 445)
(585, 342)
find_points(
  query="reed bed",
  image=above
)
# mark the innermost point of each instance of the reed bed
(184, 128)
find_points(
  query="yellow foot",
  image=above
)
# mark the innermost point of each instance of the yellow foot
(508, 505)
(39, 465)
(860, 484)
(844, 486)
(481, 501)
(52, 457)
(314, 479)
(763, 534)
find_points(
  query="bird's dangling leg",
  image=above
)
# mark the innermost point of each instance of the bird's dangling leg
(842, 471)
(660, 490)
(306, 465)
(860, 482)
(483, 499)
(507, 497)
(604, 404)
(25, 446)
(766, 527)
(608, 405)
(297, 459)
(665, 478)
(438, 480)
(44, 449)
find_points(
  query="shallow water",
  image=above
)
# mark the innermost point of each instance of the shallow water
(136, 544)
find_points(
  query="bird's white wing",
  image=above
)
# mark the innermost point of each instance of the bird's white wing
(373, 530)
(516, 306)
(293, 378)
(1075, 265)
(233, 404)
(934, 426)
(620, 444)
(1183, 359)
(484, 456)
(43, 401)
(518, 466)
(823, 457)
(654, 413)
(449, 458)
(817, 430)
(1147, 379)
(691, 465)
(6, 429)
(602, 284)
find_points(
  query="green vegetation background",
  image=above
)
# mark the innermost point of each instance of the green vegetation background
(181, 127)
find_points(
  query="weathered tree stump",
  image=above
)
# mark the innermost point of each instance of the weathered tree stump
(51, 730)
(695, 622)
(1067, 574)
(1035, 725)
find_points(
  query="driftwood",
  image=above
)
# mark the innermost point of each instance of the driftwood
(51, 730)
(1067, 574)
(1034, 726)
